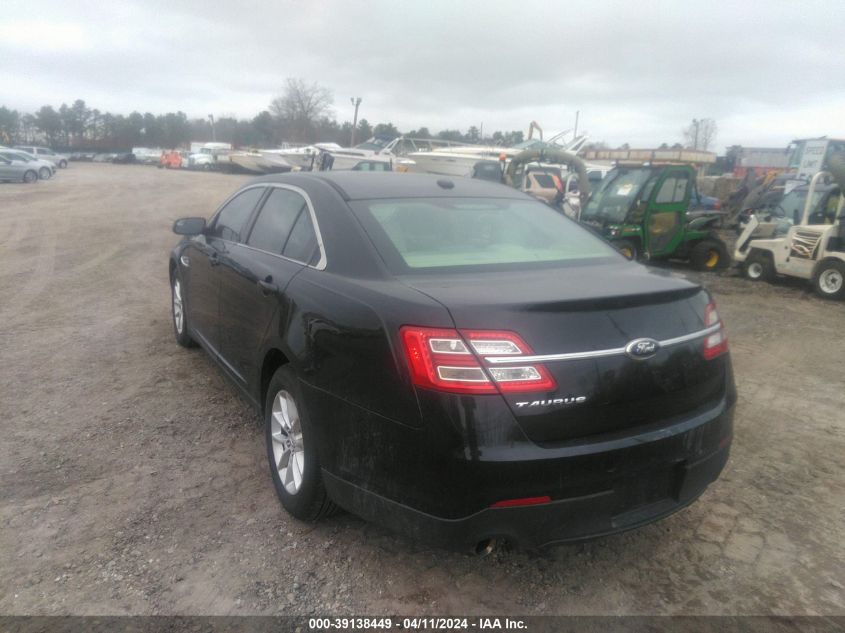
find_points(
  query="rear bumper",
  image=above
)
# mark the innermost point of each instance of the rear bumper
(596, 489)
(561, 521)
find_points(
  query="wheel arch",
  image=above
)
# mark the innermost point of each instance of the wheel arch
(762, 252)
(824, 260)
(273, 359)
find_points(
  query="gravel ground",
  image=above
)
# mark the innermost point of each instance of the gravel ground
(133, 478)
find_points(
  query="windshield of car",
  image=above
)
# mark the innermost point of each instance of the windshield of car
(14, 156)
(614, 197)
(455, 233)
(792, 205)
(374, 144)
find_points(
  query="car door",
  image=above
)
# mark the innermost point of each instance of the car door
(664, 224)
(6, 170)
(204, 254)
(255, 274)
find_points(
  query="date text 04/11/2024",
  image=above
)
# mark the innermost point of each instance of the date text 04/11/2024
(416, 624)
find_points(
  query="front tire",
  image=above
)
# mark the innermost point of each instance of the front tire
(179, 312)
(758, 268)
(30, 176)
(627, 248)
(829, 279)
(709, 255)
(292, 450)
(63, 164)
(44, 173)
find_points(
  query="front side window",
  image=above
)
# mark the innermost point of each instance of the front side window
(232, 218)
(673, 189)
(418, 234)
(275, 220)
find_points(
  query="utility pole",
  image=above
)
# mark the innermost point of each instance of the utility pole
(356, 101)
(211, 118)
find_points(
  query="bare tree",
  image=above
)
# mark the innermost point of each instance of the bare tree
(700, 134)
(300, 107)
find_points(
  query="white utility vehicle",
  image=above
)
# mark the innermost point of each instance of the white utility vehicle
(812, 248)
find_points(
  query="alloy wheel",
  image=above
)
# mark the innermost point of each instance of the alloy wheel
(288, 448)
(178, 306)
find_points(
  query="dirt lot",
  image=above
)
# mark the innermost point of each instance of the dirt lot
(133, 479)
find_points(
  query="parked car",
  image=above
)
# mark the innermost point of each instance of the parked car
(123, 158)
(44, 168)
(103, 158)
(17, 171)
(454, 359)
(45, 153)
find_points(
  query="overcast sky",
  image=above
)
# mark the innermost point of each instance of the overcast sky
(638, 71)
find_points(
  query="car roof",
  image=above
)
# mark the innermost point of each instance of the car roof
(355, 185)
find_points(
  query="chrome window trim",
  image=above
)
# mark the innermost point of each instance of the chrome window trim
(616, 351)
(321, 263)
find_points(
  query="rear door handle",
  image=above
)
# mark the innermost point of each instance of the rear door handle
(267, 286)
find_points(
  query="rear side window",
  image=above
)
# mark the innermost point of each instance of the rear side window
(275, 220)
(302, 243)
(232, 218)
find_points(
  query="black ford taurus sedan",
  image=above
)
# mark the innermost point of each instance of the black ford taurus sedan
(454, 359)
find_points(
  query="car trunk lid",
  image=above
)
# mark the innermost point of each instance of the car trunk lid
(580, 320)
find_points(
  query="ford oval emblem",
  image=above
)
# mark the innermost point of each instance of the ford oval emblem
(642, 348)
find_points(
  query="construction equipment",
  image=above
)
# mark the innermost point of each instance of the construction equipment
(813, 248)
(519, 170)
(644, 210)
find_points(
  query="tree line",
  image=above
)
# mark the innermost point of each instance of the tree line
(301, 114)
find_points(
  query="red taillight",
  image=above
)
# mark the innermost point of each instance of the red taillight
(715, 344)
(524, 501)
(446, 360)
(558, 183)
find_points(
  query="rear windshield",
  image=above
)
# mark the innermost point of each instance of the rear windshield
(545, 181)
(422, 234)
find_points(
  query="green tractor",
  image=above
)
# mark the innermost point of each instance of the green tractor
(644, 210)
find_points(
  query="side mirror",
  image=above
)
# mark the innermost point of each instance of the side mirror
(189, 226)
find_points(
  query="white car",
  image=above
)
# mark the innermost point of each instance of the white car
(45, 153)
(43, 168)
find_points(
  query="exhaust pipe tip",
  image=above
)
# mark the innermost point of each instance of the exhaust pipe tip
(486, 546)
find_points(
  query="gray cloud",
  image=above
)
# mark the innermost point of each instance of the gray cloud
(638, 72)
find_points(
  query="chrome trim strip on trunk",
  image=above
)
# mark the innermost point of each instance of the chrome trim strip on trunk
(616, 351)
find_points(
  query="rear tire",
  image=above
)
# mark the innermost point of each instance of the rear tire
(758, 267)
(292, 450)
(709, 255)
(30, 176)
(628, 249)
(829, 279)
